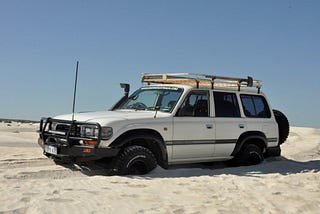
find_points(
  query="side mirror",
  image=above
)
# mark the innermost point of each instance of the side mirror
(156, 108)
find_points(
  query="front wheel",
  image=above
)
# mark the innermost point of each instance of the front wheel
(134, 160)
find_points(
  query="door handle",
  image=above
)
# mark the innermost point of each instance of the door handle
(241, 126)
(209, 126)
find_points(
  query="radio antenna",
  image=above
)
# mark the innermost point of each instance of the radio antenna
(75, 90)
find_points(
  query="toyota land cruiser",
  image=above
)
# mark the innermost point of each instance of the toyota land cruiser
(174, 118)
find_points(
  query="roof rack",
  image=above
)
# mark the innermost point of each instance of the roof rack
(201, 79)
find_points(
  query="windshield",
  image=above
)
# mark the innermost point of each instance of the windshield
(163, 99)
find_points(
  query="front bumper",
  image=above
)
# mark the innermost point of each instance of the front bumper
(77, 153)
(65, 146)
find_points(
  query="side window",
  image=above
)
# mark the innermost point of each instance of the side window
(168, 100)
(196, 104)
(226, 104)
(255, 106)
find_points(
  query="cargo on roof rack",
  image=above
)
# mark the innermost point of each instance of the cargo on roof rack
(201, 79)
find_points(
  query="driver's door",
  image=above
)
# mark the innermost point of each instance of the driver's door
(194, 131)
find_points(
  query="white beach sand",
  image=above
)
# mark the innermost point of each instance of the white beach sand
(32, 183)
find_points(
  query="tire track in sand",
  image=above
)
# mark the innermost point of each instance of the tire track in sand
(44, 168)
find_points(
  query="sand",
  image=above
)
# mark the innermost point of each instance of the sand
(32, 183)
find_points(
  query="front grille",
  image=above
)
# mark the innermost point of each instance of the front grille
(65, 132)
(62, 127)
(75, 130)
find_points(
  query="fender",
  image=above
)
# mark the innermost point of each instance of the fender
(148, 138)
(254, 137)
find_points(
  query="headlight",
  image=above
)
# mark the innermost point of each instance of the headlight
(106, 133)
(93, 132)
(89, 131)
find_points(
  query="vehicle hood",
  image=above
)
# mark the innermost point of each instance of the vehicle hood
(109, 115)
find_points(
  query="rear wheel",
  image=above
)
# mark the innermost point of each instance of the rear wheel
(250, 154)
(134, 160)
(273, 152)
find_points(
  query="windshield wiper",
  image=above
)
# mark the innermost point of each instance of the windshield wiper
(138, 106)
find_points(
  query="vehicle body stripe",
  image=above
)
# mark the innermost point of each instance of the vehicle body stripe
(272, 140)
(201, 142)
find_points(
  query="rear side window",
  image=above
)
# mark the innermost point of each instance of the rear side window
(226, 104)
(255, 106)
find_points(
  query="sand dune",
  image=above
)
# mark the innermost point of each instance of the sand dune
(31, 183)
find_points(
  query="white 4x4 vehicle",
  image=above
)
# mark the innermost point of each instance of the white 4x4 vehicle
(175, 118)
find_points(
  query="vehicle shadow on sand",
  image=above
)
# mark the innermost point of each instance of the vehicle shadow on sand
(273, 165)
(278, 165)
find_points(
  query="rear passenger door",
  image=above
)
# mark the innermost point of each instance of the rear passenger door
(228, 122)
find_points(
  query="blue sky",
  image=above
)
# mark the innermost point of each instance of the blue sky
(276, 41)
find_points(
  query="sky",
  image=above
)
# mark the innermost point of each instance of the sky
(276, 41)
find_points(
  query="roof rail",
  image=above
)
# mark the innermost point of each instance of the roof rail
(201, 79)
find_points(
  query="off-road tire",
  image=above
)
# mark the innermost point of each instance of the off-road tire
(283, 126)
(134, 160)
(250, 154)
(273, 152)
